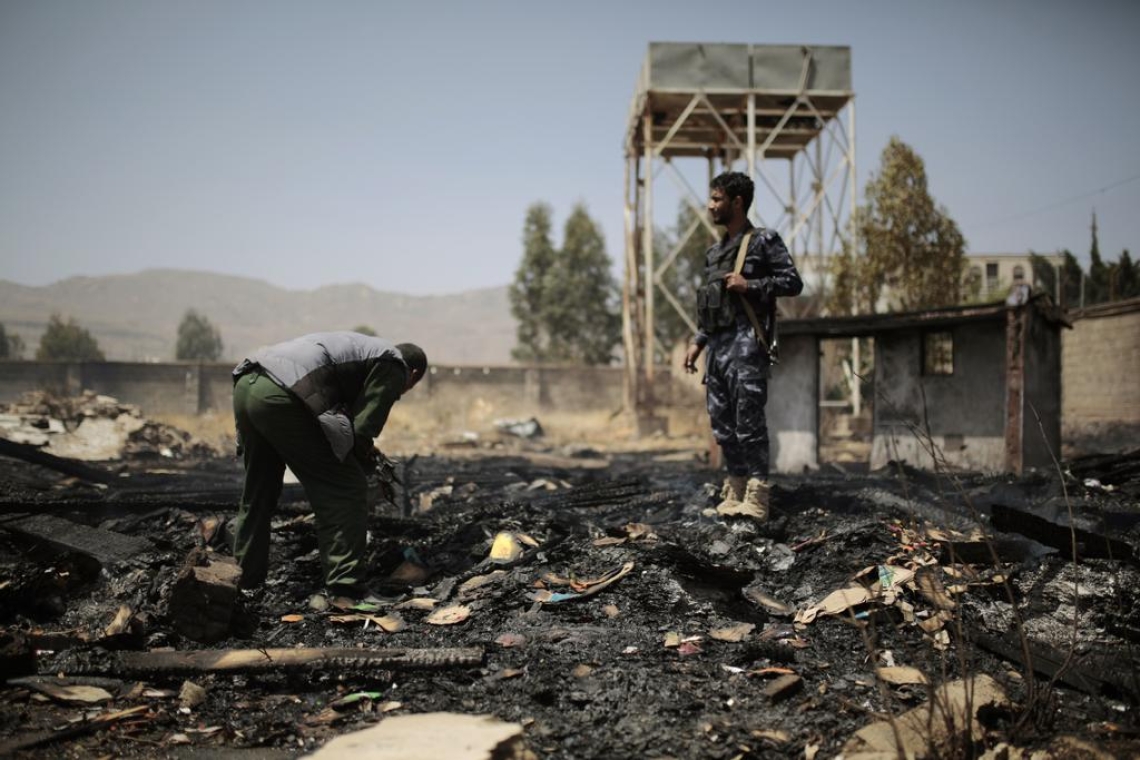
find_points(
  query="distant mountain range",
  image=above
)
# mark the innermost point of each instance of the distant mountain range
(135, 317)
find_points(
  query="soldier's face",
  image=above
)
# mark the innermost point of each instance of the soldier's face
(720, 207)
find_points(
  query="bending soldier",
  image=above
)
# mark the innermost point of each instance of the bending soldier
(316, 404)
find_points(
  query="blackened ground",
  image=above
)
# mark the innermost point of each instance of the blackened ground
(593, 677)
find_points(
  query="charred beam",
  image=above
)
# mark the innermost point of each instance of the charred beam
(104, 546)
(72, 467)
(149, 664)
(1089, 545)
(1096, 676)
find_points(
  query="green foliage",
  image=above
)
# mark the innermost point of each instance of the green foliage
(911, 251)
(527, 292)
(198, 340)
(365, 330)
(564, 300)
(1109, 281)
(1126, 278)
(15, 347)
(67, 342)
(845, 296)
(685, 275)
(1071, 275)
(1105, 281)
(1044, 273)
(581, 318)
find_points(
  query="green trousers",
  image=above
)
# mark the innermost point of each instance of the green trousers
(276, 430)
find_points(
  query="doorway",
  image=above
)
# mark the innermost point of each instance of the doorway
(846, 403)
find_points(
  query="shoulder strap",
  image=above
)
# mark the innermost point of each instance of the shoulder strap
(747, 306)
(740, 254)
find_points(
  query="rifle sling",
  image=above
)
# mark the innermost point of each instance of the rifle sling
(743, 300)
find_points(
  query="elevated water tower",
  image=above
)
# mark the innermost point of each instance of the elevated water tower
(785, 115)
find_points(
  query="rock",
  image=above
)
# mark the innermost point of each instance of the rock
(191, 695)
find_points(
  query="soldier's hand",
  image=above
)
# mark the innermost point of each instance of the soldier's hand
(691, 358)
(735, 283)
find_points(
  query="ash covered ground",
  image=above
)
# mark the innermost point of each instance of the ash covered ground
(613, 613)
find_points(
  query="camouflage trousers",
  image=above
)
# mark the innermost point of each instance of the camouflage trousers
(736, 379)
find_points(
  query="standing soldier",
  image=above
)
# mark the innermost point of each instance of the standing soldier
(736, 316)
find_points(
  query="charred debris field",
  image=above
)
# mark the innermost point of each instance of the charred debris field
(595, 605)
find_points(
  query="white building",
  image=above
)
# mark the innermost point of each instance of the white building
(990, 275)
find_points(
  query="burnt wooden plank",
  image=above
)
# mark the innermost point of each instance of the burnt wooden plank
(104, 546)
(1089, 673)
(164, 663)
(71, 467)
(1089, 545)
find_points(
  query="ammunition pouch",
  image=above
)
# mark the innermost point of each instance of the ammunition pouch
(716, 308)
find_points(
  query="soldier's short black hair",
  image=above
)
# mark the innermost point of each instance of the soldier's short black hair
(414, 357)
(735, 185)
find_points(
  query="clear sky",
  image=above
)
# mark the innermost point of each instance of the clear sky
(399, 144)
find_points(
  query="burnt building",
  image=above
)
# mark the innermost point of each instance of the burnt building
(970, 387)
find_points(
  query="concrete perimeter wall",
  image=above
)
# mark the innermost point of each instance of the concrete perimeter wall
(469, 397)
(1100, 378)
(447, 392)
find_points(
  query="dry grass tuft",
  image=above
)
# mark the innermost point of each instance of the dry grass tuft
(215, 428)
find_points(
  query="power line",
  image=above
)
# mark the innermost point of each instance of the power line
(1059, 204)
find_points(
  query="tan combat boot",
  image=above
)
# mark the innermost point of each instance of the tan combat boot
(731, 494)
(756, 498)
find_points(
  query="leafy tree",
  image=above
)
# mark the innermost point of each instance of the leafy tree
(365, 330)
(564, 300)
(527, 292)
(1044, 273)
(198, 340)
(580, 292)
(846, 296)
(11, 346)
(67, 341)
(1071, 275)
(1103, 282)
(912, 252)
(15, 347)
(1125, 279)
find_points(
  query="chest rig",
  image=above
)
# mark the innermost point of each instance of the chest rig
(717, 308)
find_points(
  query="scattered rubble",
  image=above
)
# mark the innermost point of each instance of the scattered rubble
(528, 428)
(92, 427)
(945, 726)
(595, 606)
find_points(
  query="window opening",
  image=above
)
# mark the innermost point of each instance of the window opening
(938, 353)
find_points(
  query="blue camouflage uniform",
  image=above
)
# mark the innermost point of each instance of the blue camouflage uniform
(737, 365)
